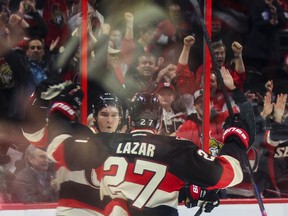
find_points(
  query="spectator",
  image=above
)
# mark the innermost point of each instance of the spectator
(188, 82)
(185, 79)
(66, 61)
(144, 76)
(115, 38)
(280, 77)
(191, 129)
(233, 15)
(148, 74)
(171, 32)
(96, 19)
(35, 183)
(144, 42)
(38, 67)
(7, 178)
(14, 81)
(272, 171)
(221, 31)
(261, 154)
(28, 11)
(262, 51)
(119, 61)
(109, 66)
(171, 119)
(55, 14)
(237, 72)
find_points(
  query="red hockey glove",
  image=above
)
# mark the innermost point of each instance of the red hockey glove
(240, 127)
(68, 102)
(239, 133)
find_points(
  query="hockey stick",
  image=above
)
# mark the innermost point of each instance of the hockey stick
(213, 57)
(199, 212)
(227, 101)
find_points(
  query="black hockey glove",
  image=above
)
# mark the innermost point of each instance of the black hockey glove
(39, 102)
(68, 102)
(47, 90)
(240, 127)
(193, 195)
(71, 95)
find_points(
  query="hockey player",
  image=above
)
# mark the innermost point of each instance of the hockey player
(77, 194)
(107, 113)
(143, 172)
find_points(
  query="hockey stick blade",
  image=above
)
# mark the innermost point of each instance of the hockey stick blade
(199, 211)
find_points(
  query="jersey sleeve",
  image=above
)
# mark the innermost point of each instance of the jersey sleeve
(211, 172)
(68, 142)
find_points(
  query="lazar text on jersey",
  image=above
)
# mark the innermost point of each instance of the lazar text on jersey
(136, 148)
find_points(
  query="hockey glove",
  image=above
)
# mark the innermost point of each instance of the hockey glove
(68, 102)
(240, 127)
(71, 95)
(47, 90)
(195, 196)
(39, 102)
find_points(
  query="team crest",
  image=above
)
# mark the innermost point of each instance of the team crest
(214, 146)
(57, 17)
(6, 76)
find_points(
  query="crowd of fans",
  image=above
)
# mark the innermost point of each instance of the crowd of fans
(153, 46)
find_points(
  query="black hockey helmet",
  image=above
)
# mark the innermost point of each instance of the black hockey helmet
(104, 100)
(145, 110)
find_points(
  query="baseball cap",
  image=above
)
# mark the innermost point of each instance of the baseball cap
(162, 85)
(198, 94)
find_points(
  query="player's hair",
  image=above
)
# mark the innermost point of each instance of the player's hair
(145, 110)
(104, 100)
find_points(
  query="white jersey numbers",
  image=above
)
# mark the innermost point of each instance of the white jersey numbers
(205, 155)
(148, 122)
(116, 186)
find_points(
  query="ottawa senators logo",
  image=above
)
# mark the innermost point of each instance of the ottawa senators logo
(57, 16)
(6, 76)
(214, 146)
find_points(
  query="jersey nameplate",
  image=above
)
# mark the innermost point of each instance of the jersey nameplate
(136, 148)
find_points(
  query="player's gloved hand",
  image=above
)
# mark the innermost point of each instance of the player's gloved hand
(72, 95)
(208, 200)
(68, 102)
(240, 127)
(195, 196)
(39, 103)
(45, 91)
